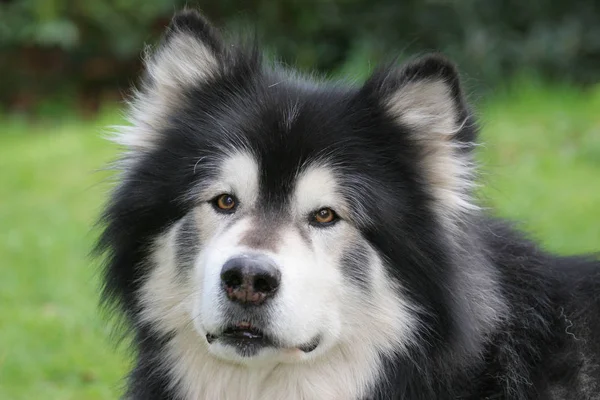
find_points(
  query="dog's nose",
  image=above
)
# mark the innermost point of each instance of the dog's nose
(250, 280)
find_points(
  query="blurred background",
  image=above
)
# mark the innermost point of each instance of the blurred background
(532, 69)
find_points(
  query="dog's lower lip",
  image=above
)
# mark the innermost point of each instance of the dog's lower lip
(210, 338)
(248, 334)
(310, 346)
(240, 333)
(243, 334)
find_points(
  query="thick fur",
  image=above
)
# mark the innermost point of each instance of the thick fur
(415, 293)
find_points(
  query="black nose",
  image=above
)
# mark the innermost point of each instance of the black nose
(250, 279)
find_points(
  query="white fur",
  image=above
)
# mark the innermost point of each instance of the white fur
(182, 62)
(317, 188)
(356, 327)
(238, 175)
(427, 107)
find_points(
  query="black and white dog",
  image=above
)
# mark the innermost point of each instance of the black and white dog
(277, 237)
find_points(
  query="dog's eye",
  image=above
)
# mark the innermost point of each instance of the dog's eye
(324, 217)
(225, 203)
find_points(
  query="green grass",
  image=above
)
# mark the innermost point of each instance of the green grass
(541, 161)
(542, 164)
(53, 344)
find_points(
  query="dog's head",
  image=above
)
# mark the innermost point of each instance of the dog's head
(264, 216)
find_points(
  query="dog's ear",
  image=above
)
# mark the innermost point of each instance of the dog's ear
(425, 99)
(425, 95)
(189, 54)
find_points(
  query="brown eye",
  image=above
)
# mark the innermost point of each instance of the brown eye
(324, 216)
(225, 203)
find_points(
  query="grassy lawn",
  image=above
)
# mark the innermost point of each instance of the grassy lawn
(542, 166)
(541, 160)
(53, 345)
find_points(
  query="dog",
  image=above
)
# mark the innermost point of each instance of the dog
(274, 236)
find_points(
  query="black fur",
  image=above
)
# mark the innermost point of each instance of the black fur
(546, 342)
(188, 243)
(356, 267)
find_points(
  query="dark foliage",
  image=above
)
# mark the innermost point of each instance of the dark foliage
(86, 50)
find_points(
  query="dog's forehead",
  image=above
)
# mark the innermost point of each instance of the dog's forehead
(314, 183)
(287, 145)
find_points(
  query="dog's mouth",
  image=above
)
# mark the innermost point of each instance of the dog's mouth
(248, 340)
(239, 333)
